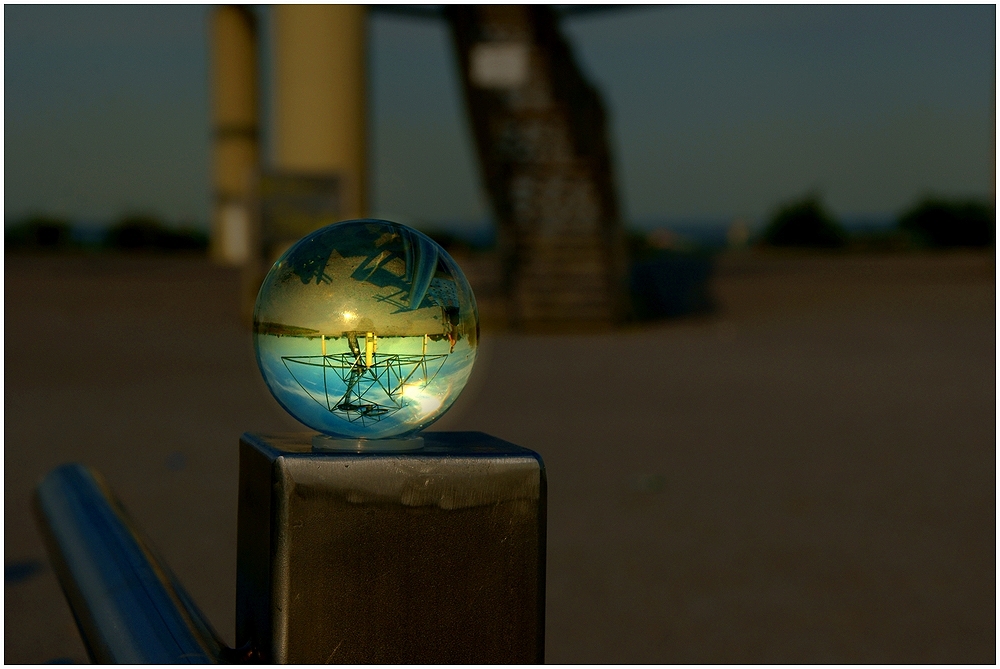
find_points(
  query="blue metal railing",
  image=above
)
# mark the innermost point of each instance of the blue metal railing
(130, 609)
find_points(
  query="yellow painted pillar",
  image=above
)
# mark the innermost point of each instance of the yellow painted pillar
(320, 109)
(235, 152)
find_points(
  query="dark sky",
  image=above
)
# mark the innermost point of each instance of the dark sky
(716, 111)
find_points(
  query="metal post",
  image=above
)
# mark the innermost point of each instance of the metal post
(428, 556)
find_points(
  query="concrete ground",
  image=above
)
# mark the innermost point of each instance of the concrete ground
(806, 475)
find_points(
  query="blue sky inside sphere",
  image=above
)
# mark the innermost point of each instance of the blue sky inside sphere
(716, 112)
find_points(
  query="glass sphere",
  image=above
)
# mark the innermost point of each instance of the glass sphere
(366, 329)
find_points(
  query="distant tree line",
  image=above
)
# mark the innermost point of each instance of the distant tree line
(932, 222)
(144, 233)
(130, 233)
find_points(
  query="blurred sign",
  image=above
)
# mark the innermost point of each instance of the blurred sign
(235, 233)
(499, 64)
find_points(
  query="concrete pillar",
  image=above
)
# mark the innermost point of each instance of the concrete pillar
(320, 97)
(235, 128)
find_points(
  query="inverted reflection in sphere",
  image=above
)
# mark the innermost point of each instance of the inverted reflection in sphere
(366, 329)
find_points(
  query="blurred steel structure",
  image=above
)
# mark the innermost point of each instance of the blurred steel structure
(541, 137)
(128, 606)
(236, 153)
(539, 130)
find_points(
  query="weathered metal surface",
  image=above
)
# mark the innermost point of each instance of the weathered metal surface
(128, 606)
(541, 137)
(428, 556)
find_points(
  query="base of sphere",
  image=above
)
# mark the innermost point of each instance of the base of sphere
(322, 442)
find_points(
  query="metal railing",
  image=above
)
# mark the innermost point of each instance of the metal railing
(130, 609)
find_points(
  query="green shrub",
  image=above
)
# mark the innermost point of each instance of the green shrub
(134, 233)
(944, 223)
(804, 223)
(38, 232)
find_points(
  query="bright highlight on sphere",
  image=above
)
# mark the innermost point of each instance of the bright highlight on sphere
(366, 329)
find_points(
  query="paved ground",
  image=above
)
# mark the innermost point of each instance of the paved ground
(807, 475)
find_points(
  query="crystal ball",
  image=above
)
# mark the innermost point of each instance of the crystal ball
(366, 329)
